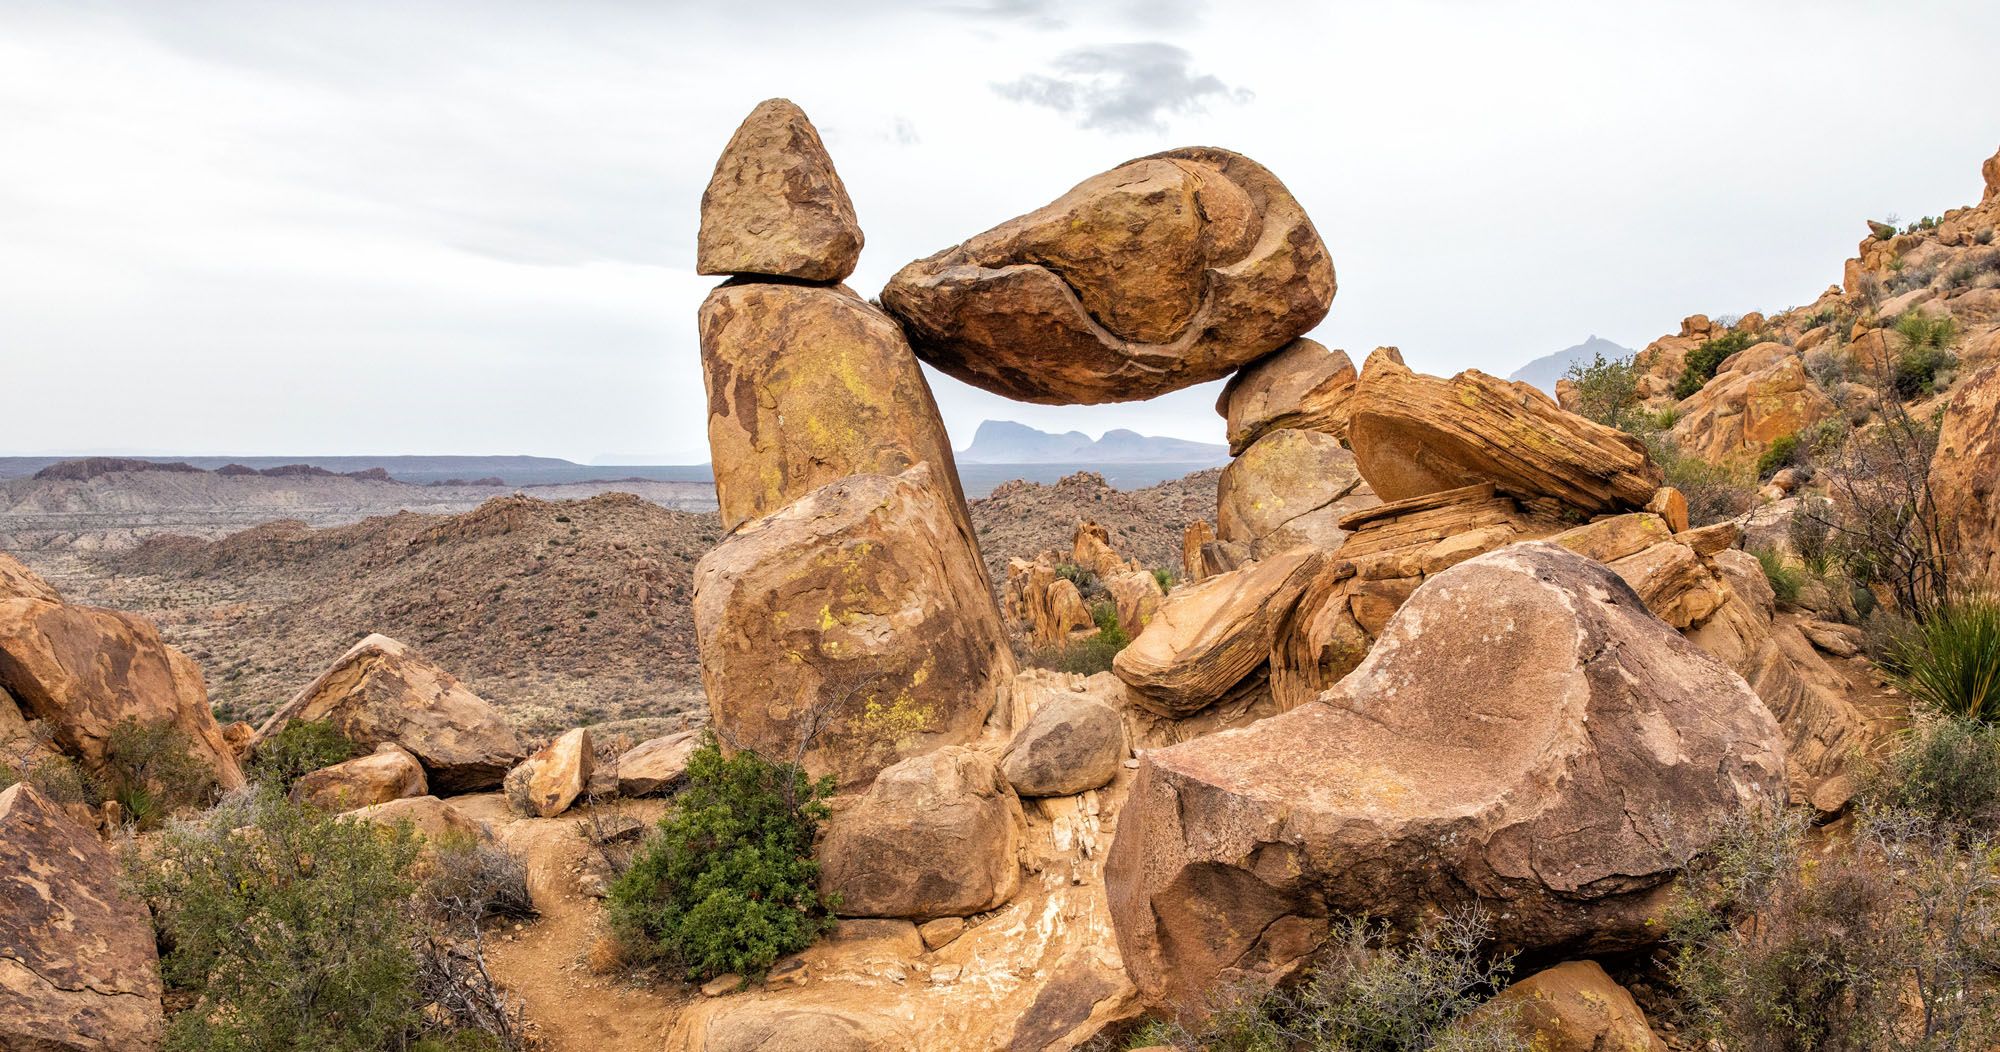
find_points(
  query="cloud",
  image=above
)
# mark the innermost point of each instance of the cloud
(1122, 87)
(1036, 13)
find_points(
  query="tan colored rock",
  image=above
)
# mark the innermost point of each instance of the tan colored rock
(1162, 273)
(657, 766)
(1965, 473)
(1415, 435)
(84, 670)
(388, 773)
(1524, 736)
(1193, 566)
(1990, 170)
(774, 205)
(78, 971)
(1210, 635)
(1673, 582)
(1071, 743)
(807, 386)
(19, 582)
(429, 817)
(860, 618)
(747, 1025)
(1575, 1007)
(545, 784)
(1320, 641)
(1302, 385)
(1042, 606)
(1091, 549)
(937, 835)
(1739, 414)
(1137, 595)
(383, 691)
(939, 933)
(1708, 540)
(1290, 488)
(1615, 536)
(1670, 504)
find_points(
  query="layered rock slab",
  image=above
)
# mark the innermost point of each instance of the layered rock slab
(1302, 385)
(78, 970)
(1209, 636)
(1524, 736)
(774, 205)
(1965, 473)
(851, 629)
(1162, 273)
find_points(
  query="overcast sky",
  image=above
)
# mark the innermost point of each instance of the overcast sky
(408, 227)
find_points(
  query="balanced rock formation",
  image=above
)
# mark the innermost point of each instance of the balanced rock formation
(1071, 742)
(1965, 474)
(657, 766)
(1414, 435)
(806, 386)
(388, 773)
(1302, 385)
(84, 670)
(1524, 736)
(851, 629)
(1575, 1007)
(1290, 488)
(545, 784)
(383, 691)
(1210, 636)
(775, 206)
(78, 971)
(1164, 272)
(937, 835)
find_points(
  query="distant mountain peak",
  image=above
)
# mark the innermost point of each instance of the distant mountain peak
(1011, 442)
(1543, 372)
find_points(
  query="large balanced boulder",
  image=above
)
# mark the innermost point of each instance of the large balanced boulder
(78, 970)
(1290, 488)
(83, 671)
(1524, 736)
(1413, 435)
(809, 385)
(1965, 474)
(937, 835)
(851, 629)
(1576, 1007)
(1164, 272)
(388, 773)
(1073, 742)
(1303, 385)
(383, 691)
(774, 205)
(1208, 636)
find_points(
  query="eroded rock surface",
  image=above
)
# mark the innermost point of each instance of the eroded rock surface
(656, 766)
(1302, 385)
(1576, 1007)
(1965, 473)
(388, 773)
(1071, 743)
(546, 783)
(1290, 488)
(1209, 636)
(775, 206)
(937, 835)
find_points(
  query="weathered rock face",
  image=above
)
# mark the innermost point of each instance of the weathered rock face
(775, 206)
(1303, 386)
(1044, 608)
(1990, 171)
(1762, 398)
(807, 386)
(937, 835)
(1073, 742)
(1575, 1007)
(656, 766)
(429, 817)
(389, 773)
(859, 618)
(84, 671)
(1209, 636)
(1290, 488)
(382, 691)
(1137, 595)
(1413, 435)
(545, 784)
(1524, 735)
(753, 1026)
(19, 582)
(1164, 272)
(1965, 473)
(77, 966)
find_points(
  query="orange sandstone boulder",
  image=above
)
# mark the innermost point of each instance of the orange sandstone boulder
(1302, 385)
(937, 835)
(1575, 1007)
(1764, 397)
(388, 773)
(774, 205)
(19, 582)
(545, 784)
(1965, 473)
(1290, 488)
(1209, 636)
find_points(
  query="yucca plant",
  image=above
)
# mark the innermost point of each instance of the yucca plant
(1950, 661)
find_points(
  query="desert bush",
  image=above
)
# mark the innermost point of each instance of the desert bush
(727, 882)
(61, 780)
(1786, 580)
(1714, 492)
(1083, 578)
(1809, 535)
(299, 748)
(286, 927)
(1784, 451)
(1370, 991)
(152, 769)
(1949, 660)
(1883, 522)
(1164, 578)
(1946, 771)
(465, 882)
(1606, 389)
(1702, 362)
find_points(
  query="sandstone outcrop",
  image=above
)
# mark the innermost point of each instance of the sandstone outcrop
(383, 691)
(429, 817)
(1209, 636)
(657, 766)
(1290, 488)
(388, 773)
(83, 671)
(545, 784)
(1414, 435)
(807, 386)
(937, 835)
(1302, 385)
(1965, 473)
(1071, 743)
(775, 206)
(1575, 1007)
(1759, 396)
(1562, 791)
(1164, 272)
(1044, 608)
(19, 582)
(78, 971)
(851, 629)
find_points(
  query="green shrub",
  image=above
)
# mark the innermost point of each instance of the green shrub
(1811, 534)
(1949, 660)
(1944, 770)
(1786, 580)
(286, 927)
(1918, 368)
(1606, 389)
(1714, 492)
(153, 769)
(1084, 580)
(62, 781)
(1164, 578)
(1784, 452)
(299, 748)
(727, 883)
(1702, 362)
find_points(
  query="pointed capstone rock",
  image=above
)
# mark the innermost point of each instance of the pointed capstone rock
(775, 206)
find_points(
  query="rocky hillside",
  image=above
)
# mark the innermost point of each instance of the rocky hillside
(1021, 519)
